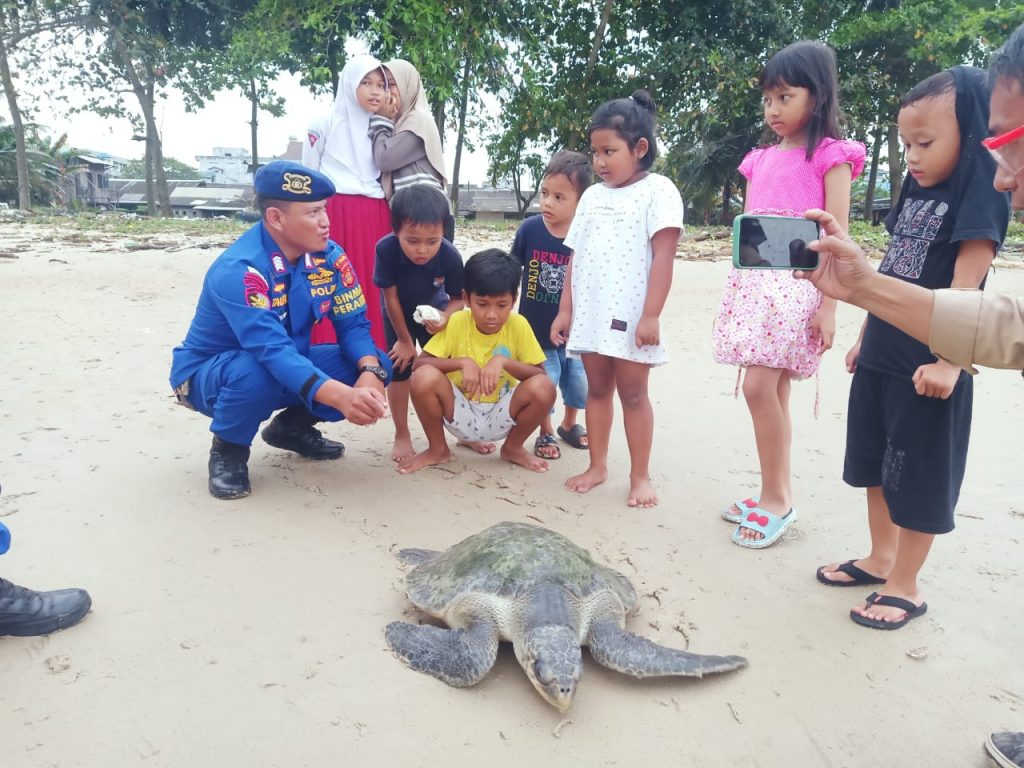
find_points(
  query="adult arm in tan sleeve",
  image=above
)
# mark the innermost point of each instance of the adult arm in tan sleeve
(973, 327)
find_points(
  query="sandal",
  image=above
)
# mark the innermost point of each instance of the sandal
(910, 610)
(859, 577)
(574, 436)
(545, 440)
(771, 526)
(737, 517)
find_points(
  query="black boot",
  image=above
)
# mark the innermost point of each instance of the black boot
(25, 613)
(292, 430)
(229, 471)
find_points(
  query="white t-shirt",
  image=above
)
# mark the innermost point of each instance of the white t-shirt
(610, 238)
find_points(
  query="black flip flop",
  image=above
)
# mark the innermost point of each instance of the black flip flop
(861, 578)
(912, 611)
(572, 436)
(546, 440)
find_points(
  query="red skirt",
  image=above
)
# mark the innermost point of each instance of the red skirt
(357, 223)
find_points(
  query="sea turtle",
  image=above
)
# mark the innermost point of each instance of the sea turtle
(535, 588)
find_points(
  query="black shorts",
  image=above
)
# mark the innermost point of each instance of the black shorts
(914, 447)
(419, 335)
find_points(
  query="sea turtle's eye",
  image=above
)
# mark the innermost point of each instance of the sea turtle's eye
(545, 675)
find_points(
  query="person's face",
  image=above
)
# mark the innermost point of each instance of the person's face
(490, 313)
(558, 200)
(420, 242)
(1006, 113)
(371, 91)
(931, 138)
(614, 161)
(787, 108)
(300, 227)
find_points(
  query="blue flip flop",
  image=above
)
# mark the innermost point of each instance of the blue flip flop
(771, 526)
(737, 517)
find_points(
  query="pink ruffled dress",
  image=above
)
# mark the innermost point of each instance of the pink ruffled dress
(765, 315)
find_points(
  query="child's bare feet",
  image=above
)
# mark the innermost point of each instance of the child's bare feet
(428, 458)
(642, 493)
(583, 483)
(478, 445)
(519, 455)
(403, 449)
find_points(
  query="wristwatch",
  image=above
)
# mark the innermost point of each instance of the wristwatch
(376, 370)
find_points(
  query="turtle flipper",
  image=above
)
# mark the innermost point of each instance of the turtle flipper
(416, 556)
(459, 657)
(615, 648)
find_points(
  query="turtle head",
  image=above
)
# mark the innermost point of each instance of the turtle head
(553, 661)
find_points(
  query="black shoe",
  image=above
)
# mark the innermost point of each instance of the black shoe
(292, 430)
(1006, 749)
(25, 613)
(229, 471)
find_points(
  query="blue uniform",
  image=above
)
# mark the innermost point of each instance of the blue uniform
(247, 352)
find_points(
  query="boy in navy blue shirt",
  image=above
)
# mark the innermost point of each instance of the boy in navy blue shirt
(539, 248)
(414, 266)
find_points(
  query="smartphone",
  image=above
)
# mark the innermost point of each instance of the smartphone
(773, 242)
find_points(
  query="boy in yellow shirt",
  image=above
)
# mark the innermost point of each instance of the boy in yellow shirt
(482, 377)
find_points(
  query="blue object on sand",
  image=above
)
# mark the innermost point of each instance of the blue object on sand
(5, 538)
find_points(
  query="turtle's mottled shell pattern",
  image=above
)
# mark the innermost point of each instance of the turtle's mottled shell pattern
(507, 561)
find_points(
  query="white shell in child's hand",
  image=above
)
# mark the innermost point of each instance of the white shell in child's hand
(425, 313)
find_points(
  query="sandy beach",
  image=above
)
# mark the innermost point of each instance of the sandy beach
(250, 633)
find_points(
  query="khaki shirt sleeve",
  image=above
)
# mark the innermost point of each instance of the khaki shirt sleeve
(969, 326)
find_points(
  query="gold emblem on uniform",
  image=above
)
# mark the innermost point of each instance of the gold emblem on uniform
(297, 184)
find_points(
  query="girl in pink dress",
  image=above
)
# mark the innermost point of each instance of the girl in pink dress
(775, 327)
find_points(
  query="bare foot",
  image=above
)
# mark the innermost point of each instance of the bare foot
(478, 445)
(586, 481)
(428, 458)
(403, 449)
(642, 494)
(869, 566)
(886, 612)
(519, 455)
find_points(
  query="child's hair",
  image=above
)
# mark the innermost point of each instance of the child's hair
(492, 272)
(632, 119)
(811, 65)
(1008, 61)
(930, 88)
(418, 204)
(575, 166)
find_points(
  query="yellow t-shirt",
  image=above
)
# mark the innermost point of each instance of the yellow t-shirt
(460, 338)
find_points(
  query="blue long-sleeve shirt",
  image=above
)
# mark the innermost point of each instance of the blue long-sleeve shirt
(253, 299)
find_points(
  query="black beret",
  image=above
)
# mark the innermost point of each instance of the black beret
(292, 182)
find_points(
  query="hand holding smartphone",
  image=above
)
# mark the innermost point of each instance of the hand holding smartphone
(773, 242)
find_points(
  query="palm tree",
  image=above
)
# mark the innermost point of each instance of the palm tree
(46, 166)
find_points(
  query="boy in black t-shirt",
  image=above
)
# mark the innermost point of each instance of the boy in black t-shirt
(910, 413)
(538, 247)
(414, 267)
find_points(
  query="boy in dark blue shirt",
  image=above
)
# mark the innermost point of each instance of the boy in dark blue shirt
(539, 248)
(414, 267)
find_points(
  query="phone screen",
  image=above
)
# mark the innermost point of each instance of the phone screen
(774, 242)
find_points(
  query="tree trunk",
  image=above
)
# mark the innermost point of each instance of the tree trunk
(595, 50)
(876, 151)
(726, 200)
(895, 165)
(439, 119)
(20, 152)
(254, 100)
(463, 106)
(150, 189)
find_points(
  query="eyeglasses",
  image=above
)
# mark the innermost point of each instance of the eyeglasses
(1008, 149)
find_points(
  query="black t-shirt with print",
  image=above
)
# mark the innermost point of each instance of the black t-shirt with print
(544, 259)
(926, 235)
(417, 283)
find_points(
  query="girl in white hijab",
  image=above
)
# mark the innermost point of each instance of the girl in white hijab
(338, 145)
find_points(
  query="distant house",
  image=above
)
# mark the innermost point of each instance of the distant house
(492, 204)
(227, 165)
(190, 199)
(87, 181)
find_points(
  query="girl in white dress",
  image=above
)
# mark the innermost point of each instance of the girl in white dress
(623, 240)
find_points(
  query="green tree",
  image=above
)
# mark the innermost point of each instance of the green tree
(43, 161)
(173, 169)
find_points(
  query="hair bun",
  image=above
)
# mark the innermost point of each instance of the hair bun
(643, 98)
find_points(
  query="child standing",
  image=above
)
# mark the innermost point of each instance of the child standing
(539, 247)
(775, 327)
(482, 377)
(406, 143)
(338, 146)
(623, 240)
(415, 266)
(910, 413)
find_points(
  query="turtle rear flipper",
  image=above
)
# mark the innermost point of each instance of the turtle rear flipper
(416, 556)
(459, 657)
(615, 648)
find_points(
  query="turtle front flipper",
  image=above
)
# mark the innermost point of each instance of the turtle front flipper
(416, 556)
(459, 657)
(615, 648)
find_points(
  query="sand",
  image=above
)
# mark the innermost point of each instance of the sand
(250, 633)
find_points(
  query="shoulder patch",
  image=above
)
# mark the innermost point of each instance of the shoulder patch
(256, 289)
(344, 268)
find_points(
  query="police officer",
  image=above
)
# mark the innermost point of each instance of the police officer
(247, 352)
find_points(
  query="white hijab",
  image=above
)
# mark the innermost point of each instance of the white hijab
(345, 153)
